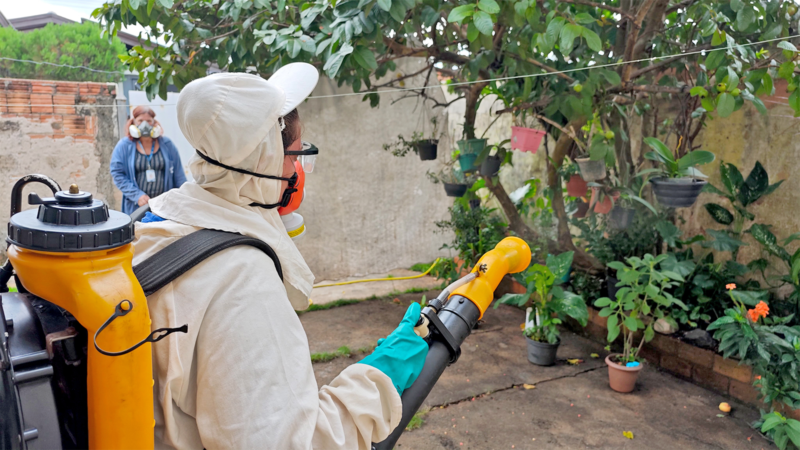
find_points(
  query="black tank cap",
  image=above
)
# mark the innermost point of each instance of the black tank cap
(72, 221)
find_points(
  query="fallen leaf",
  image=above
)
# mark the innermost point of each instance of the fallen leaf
(528, 386)
(720, 415)
(396, 300)
(594, 355)
(522, 326)
(628, 434)
(575, 362)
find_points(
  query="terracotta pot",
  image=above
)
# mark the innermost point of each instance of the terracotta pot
(576, 186)
(591, 170)
(526, 139)
(604, 206)
(621, 378)
(542, 353)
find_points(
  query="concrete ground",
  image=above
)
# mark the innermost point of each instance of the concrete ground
(493, 398)
(360, 291)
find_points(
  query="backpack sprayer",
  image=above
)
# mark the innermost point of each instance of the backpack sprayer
(449, 318)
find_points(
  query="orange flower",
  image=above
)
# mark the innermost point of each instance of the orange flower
(761, 310)
(731, 286)
(758, 377)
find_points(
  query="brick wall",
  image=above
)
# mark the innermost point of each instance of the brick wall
(64, 130)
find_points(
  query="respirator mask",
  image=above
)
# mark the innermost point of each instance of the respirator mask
(295, 192)
(144, 129)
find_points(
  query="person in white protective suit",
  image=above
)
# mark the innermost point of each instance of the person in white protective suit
(242, 377)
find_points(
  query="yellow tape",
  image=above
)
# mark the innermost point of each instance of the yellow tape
(297, 232)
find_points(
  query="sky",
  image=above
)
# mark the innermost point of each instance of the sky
(71, 9)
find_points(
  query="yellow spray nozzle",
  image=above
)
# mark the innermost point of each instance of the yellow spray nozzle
(511, 255)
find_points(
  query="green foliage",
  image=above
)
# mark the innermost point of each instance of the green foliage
(672, 167)
(644, 294)
(550, 303)
(475, 232)
(608, 244)
(780, 429)
(741, 193)
(78, 44)
(401, 147)
(341, 352)
(416, 421)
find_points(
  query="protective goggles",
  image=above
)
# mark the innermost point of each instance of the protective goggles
(307, 156)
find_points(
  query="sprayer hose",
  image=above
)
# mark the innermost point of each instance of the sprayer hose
(383, 279)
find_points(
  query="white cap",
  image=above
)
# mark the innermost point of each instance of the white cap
(296, 80)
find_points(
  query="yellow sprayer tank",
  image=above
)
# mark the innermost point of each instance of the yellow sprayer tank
(76, 253)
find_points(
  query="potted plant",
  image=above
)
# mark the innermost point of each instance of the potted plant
(427, 147)
(526, 139)
(601, 153)
(678, 183)
(603, 198)
(643, 296)
(491, 158)
(621, 217)
(576, 186)
(548, 305)
(455, 184)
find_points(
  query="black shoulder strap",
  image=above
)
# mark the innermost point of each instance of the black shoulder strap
(179, 257)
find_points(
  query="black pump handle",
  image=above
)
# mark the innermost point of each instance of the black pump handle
(16, 191)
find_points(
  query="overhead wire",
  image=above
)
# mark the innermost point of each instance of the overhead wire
(434, 86)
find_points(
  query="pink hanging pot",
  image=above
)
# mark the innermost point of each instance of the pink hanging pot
(526, 139)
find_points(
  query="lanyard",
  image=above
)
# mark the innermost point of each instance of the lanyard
(150, 156)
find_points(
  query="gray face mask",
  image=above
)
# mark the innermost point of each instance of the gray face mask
(145, 128)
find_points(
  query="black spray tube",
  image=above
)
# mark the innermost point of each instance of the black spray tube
(459, 316)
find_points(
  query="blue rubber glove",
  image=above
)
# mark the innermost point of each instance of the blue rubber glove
(402, 354)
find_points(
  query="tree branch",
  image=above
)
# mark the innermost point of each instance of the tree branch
(660, 64)
(634, 36)
(530, 105)
(544, 67)
(654, 23)
(619, 11)
(682, 5)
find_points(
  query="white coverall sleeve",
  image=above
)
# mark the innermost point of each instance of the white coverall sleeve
(255, 382)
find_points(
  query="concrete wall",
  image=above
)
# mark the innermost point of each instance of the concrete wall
(45, 129)
(368, 211)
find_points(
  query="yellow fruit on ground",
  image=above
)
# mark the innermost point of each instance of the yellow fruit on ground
(724, 407)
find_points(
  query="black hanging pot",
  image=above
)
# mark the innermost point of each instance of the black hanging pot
(455, 190)
(491, 165)
(474, 203)
(677, 192)
(621, 218)
(427, 149)
(611, 286)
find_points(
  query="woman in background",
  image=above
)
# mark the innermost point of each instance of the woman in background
(145, 164)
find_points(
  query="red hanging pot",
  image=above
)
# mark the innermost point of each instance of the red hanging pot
(603, 206)
(576, 186)
(526, 139)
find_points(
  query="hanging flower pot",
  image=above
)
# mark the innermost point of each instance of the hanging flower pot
(622, 378)
(455, 190)
(621, 218)
(677, 192)
(491, 165)
(467, 162)
(576, 186)
(591, 170)
(583, 209)
(427, 149)
(471, 146)
(605, 205)
(526, 139)
(474, 203)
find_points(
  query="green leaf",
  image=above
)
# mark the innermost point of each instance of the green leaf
(489, 6)
(552, 32)
(631, 323)
(603, 301)
(365, 58)
(574, 306)
(793, 432)
(754, 186)
(559, 265)
(386, 5)
(610, 76)
(786, 45)
(745, 18)
(695, 158)
(472, 32)
(584, 18)
(166, 3)
(669, 232)
(771, 422)
(698, 90)
(682, 268)
(725, 104)
(662, 150)
(794, 101)
(459, 13)
(334, 63)
(786, 71)
(568, 34)
(719, 214)
(649, 334)
(722, 241)
(398, 11)
(483, 22)
(715, 59)
(592, 39)
(429, 16)
(613, 328)
(513, 299)
(737, 5)
(768, 240)
(731, 177)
